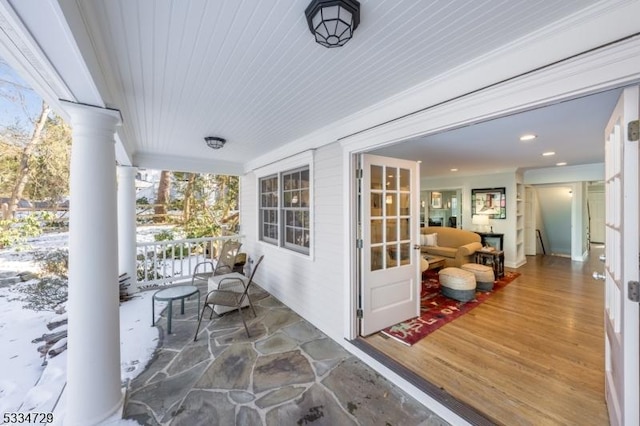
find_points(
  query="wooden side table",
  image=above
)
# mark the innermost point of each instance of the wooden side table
(494, 258)
(491, 238)
(435, 262)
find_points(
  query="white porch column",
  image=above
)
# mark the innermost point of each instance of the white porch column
(127, 223)
(93, 362)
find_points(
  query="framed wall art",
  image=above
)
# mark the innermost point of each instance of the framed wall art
(489, 201)
(436, 200)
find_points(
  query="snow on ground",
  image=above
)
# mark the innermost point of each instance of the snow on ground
(28, 385)
(20, 362)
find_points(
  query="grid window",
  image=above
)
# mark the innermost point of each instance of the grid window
(269, 209)
(295, 193)
(285, 209)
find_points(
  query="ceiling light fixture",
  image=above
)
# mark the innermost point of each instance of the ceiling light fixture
(332, 22)
(215, 142)
(548, 153)
(561, 164)
(454, 170)
(528, 137)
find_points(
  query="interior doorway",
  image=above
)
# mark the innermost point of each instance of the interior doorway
(555, 222)
(596, 211)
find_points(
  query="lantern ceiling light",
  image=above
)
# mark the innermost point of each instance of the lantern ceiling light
(215, 142)
(332, 22)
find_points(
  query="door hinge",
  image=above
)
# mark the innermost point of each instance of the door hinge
(359, 174)
(359, 243)
(633, 291)
(359, 313)
(633, 130)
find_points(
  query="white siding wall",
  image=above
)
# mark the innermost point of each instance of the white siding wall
(314, 286)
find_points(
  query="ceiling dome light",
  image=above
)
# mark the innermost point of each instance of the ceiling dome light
(332, 22)
(528, 137)
(215, 142)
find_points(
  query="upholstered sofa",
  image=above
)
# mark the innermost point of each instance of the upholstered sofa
(457, 246)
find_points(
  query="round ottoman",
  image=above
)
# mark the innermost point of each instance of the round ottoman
(483, 273)
(457, 284)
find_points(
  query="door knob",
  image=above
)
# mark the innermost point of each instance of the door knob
(597, 276)
(602, 258)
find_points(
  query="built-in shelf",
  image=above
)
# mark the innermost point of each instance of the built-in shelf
(520, 257)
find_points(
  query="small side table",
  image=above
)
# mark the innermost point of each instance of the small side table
(495, 258)
(179, 292)
(435, 262)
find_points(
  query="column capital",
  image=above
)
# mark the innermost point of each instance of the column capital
(92, 115)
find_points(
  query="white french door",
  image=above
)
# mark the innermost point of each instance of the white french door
(622, 330)
(389, 211)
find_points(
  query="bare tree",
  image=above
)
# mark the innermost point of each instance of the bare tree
(162, 199)
(49, 167)
(22, 176)
(188, 197)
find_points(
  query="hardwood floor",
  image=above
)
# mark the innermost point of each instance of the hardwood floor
(532, 354)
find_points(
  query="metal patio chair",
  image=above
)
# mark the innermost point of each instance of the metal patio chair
(223, 265)
(231, 292)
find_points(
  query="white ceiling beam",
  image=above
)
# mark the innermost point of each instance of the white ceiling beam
(187, 164)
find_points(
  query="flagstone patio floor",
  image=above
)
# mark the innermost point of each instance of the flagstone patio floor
(286, 373)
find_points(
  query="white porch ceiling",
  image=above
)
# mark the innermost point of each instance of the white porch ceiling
(250, 71)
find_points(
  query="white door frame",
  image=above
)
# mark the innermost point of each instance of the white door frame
(390, 287)
(602, 69)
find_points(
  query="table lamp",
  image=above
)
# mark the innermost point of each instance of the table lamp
(481, 221)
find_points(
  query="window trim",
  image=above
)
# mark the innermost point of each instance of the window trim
(302, 161)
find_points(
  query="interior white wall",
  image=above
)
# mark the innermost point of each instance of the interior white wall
(467, 183)
(570, 221)
(576, 177)
(555, 204)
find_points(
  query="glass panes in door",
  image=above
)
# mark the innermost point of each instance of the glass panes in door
(390, 209)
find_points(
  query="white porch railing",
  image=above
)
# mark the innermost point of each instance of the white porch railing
(161, 262)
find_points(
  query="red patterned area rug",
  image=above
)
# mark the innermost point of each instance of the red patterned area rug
(437, 310)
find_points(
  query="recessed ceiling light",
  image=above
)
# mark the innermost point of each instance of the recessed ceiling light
(548, 153)
(564, 163)
(454, 170)
(528, 137)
